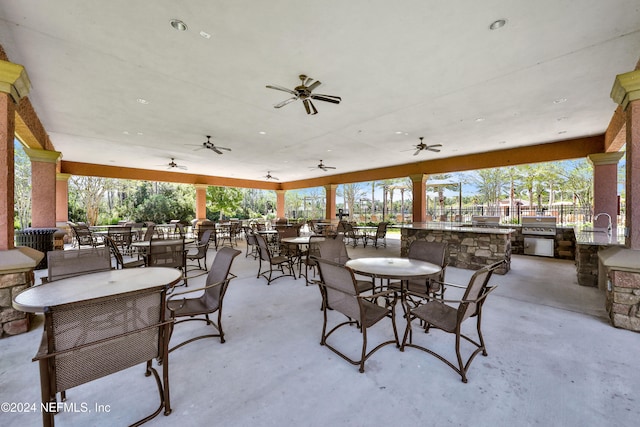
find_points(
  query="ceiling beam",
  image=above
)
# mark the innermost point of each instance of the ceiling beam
(561, 150)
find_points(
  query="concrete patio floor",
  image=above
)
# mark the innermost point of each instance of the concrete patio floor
(554, 360)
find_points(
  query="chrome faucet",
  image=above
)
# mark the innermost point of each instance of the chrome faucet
(608, 216)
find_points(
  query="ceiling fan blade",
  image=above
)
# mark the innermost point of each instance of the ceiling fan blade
(321, 95)
(215, 149)
(435, 150)
(285, 102)
(434, 146)
(329, 167)
(313, 107)
(306, 106)
(284, 89)
(224, 148)
(416, 153)
(313, 85)
(333, 99)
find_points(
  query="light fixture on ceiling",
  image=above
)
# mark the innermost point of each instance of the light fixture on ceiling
(178, 25)
(497, 24)
(559, 100)
(480, 119)
(205, 35)
(262, 132)
(142, 101)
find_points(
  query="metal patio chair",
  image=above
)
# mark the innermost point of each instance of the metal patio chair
(342, 296)
(279, 262)
(201, 250)
(120, 263)
(210, 302)
(438, 314)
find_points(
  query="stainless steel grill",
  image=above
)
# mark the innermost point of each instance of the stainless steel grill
(485, 221)
(539, 225)
(539, 235)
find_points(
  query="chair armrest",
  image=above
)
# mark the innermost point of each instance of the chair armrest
(194, 290)
(377, 294)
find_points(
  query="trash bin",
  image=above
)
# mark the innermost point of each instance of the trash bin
(37, 238)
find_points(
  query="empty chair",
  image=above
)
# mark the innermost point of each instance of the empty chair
(186, 309)
(309, 260)
(380, 235)
(121, 236)
(435, 253)
(252, 243)
(167, 253)
(64, 264)
(201, 251)
(89, 339)
(351, 234)
(449, 318)
(279, 262)
(342, 296)
(120, 263)
(82, 235)
(203, 227)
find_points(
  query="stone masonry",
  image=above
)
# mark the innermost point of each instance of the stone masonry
(623, 301)
(13, 322)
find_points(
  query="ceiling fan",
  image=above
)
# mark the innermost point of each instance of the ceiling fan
(322, 166)
(303, 91)
(422, 146)
(210, 146)
(268, 176)
(173, 165)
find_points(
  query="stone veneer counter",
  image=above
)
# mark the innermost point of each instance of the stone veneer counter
(468, 247)
(588, 244)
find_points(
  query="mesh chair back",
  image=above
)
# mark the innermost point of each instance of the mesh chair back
(263, 249)
(114, 250)
(64, 264)
(381, 231)
(433, 252)
(333, 250)
(163, 253)
(92, 323)
(475, 288)
(219, 273)
(340, 287)
(121, 235)
(148, 235)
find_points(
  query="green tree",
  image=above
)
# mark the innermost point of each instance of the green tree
(225, 200)
(22, 186)
(89, 191)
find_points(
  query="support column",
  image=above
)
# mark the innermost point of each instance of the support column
(7, 171)
(201, 201)
(626, 92)
(419, 193)
(280, 211)
(62, 198)
(330, 212)
(43, 186)
(605, 187)
(14, 85)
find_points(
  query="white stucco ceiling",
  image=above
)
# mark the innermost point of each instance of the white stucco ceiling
(404, 69)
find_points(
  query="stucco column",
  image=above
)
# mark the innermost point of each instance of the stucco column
(330, 212)
(14, 85)
(280, 211)
(43, 186)
(605, 187)
(7, 171)
(419, 192)
(62, 198)
(201, 201)
(626, 92)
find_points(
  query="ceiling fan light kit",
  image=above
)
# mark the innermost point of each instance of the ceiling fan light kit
(304, 92)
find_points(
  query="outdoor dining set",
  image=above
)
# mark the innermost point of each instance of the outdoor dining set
(130, 311)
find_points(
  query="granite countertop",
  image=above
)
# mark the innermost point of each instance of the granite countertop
(454, 226)
(599, 236)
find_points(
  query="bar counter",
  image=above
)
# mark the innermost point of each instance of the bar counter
(468, 247)
(589, 242)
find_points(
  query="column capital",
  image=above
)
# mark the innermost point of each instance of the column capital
(418, 177)
(626, 88)
(63, 176)
(330, 186)
(605, 158)
(280, 191)
(14, 80)
(45, 156)
(201, 186)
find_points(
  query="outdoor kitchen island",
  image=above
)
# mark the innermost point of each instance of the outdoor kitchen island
(468, 247)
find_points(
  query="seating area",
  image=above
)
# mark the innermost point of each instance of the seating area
(272, 354)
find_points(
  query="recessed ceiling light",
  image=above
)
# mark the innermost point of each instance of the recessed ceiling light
(480, 119)
(329, 150)
(142, 101)
(178, 25)
(126, 132)
(262, 132)
(205, 35)
(559, 100)
(140, 133)
(497, 24)
(399, 132)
